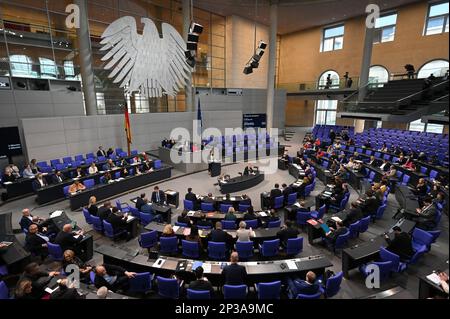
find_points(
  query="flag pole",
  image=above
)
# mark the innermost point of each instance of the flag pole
(127, 129)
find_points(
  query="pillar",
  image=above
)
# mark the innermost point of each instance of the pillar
(365, 64)
(272, 61)
(85, 54)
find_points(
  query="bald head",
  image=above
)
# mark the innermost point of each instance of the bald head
(100, 270)
(26, 212)
(234, 258)
(67, 228)
(33, 229)
(102, 292)
(310, 277)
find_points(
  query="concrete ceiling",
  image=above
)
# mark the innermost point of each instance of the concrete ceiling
(295, 15)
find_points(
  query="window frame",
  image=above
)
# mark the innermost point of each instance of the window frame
(322, 46)
(325, 111)
(380, 29)
(427, 19)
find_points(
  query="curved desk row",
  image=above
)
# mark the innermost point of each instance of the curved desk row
(219, 216)
(256, 271)
(104, 191)
(240, 183)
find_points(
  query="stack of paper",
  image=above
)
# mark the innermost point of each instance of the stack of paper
(434, 277)
(336, 219)
(206, 268)
(175, 228)
(263, 214)
(291, 265)
(56, 213)
(191, 213)
(158, 263)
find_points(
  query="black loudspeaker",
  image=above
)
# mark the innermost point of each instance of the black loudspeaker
(196, 28)
(248, 70)
(192, 46)
(193, 37)
(254, 64)
(262, 45)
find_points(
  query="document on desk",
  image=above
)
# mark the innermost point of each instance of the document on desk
(56, 213)
(291, 265)
(175, 228)
(7, 183)
(297, 204)
(263, 214)
(233, 198)
(434, 277)
(130, 217)
(252, 263)
(206, 268)
(50, 290)
(77, 236)
(159, 263)
(336, 219)
(191, 213)
(172, 193)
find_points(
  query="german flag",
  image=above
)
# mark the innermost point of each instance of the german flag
(127, 125)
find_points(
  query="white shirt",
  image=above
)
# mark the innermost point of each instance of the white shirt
(41, 182)
(93, 170)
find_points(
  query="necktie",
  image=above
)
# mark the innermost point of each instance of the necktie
(157, 197)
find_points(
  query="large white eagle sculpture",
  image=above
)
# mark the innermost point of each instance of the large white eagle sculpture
(145, 63)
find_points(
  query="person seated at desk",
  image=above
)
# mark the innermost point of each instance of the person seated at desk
(350, 164)
(101, 152)
(353, 215)
(201, 283)
(421, 190)
(105, 210)
(93, 169)
(333, 234)
(158, 196)
(68, 239)
(422, 157)
(244, 234)
(24, 290)
(384, 148)
(35, 242)
(372, 161)
(401, 245)
(39, 279)
(58, 178)
(357, 167)
(230, 215)
(168, 231)
(341, 172)
(439, 199)
(194, 236)
(118, 220)
(220, 236)
(246, 200)
(184, 219)
(227, 200)
(14, 170)
(287, 232)
(250, 214)
(401, 160)
(303, 164)
(69, 258)
(209, 198)
(92, 206)
(286, 190)
(109, 165)
(8, 176)
(274, 193)
(106, 178)
(66, 291)
(27, 220)
(367, 144)
(391, 173)
(381, 186)
(147, 166)
(147, 208)
(319, 154)
(109, 152)
(39, 182)
(385, 166)
(204, 222)
(426, 215)
(356, 156)
(234, 274)
(76, 187)
(193, 198)
(124, 172)
(444, 279)
(113, 277)
(122, 163)
(34, 166)
(370, 204)
(140, 201)
(78, 173)
(249, 170)
(304, 287)
(337, 145)
(334, 167)
(28, 172)
(224, 178)
(409, 165)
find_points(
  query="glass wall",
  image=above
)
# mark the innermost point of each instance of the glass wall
(34, 42)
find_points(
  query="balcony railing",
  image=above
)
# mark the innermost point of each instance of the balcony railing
(315, 86)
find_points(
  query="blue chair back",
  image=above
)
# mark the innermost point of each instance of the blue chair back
(294, 246)
(87, 216)
(141, 282)
(380, 212)
(145, 218)
(101, 159)
(406, 179)
(269, 248)
(55, 251)
(274, 224)
(181, 224)
(97, 223)
(42, 164)
(54, 162)
(341, 240)
(422, 237)
(198, 294)
(235, 292)
(303, 217)
(269, 290)
(148, 239)
(188, 204)
(244, 249)
(4, 291)
(364, 224)
(243, 208)
(190, 249)
(333, 284)
(157, 164)
(66, 190)
(354, 229)
(168, 245)
(384, 266)
(207, 207)
(134, 212)
(315, 296)
(228, 224)
(168, 287)
(89, 183)
(90, 155)
(279, 202)
(109, 230)
(216, 250)
(386, 255)
(67, 160)
(224, 208)
(253, 223)
(292, 198)
(420, 251)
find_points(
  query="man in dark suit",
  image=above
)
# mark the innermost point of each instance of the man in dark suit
(64, 292)
(401, 245)
(219, 235)
(193, 198)
(68, 239)
(158, 196)
(105, 211)
(36, 243)
(332, 235)
(44, 226)
(426, 215)
(117, 220)
(353, 215)
(304, 287)
(204, 222)
(371, 203)
(183, 218)
(112, 277)
(274, 193)
(101, 152)
(201, 283)
(287, 232)
(58, 177)
(140, 201)
(286, 191)
(234, 274)
(39, 182)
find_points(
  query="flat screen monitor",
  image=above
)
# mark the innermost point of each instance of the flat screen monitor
(10, 144)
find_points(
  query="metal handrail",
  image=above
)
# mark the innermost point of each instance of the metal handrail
(440, 98)
(422, 91)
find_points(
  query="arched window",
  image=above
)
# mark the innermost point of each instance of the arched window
(48, 68)
(334, 80)
(437, 67)
(378, 74)
(21, 65)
